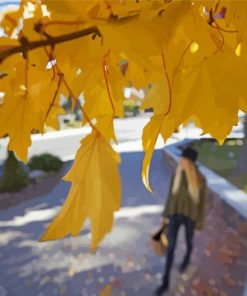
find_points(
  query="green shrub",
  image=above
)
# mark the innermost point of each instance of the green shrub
(45, 162)
(15, 177)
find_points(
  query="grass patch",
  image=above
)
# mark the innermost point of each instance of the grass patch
(221, 159)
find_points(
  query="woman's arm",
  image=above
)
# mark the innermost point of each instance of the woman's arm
(201, 210)
(167, 206)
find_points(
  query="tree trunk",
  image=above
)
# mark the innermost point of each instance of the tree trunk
(241, 165)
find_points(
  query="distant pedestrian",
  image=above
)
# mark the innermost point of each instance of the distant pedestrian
(185, 206)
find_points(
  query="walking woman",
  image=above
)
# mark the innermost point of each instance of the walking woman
(185, 206)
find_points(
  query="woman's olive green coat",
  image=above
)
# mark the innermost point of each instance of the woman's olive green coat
(182, 203)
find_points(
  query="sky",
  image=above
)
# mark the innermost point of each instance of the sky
(6, 3)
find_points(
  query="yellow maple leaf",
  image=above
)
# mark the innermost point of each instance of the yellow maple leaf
(52, 117)
(91, 51)
(99, 110)
(114, 82)
(243, 104)
(6, 42)
(129, 39)
(139, 75)
(215, 86)
(103, 86)
(68, 10)
(157, 97)
(158, 124)
(94, 194)
(198, 30)
(24, 108)
(18, 118)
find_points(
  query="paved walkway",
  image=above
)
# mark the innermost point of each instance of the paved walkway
(124, 264)
(65, 267)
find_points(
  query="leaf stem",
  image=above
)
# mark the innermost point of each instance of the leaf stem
(26, 77)
(222, 36)
(183, 54)
(224, 30)
(106, 72)
(169, 84)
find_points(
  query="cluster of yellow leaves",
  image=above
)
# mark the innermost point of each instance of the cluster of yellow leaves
(190, 56)
(95, 192)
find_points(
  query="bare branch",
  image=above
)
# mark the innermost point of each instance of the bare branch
(27, 46)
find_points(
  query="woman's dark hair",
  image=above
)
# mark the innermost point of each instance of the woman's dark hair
(190, 153)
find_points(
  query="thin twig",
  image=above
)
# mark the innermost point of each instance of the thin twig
(78, 102)
(55, 95)
(56, 67)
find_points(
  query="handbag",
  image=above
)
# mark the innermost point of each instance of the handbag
(159, 241)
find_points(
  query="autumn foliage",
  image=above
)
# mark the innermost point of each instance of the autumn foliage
(190, 56)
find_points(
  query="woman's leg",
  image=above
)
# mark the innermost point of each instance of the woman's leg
(173, 228)
(189, 234)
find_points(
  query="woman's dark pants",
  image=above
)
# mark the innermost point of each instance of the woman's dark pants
(176, 221)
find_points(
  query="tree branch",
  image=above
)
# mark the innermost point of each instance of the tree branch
(27, 46)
